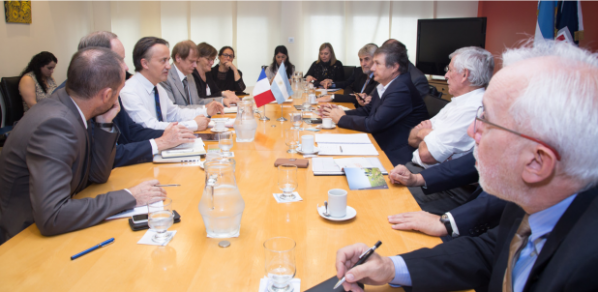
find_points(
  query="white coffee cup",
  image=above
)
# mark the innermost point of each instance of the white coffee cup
(313, 99)
(307, 143)
(327, 122)
(337, 203)
(219, 125)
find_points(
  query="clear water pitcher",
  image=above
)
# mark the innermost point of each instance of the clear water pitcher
(245, 122)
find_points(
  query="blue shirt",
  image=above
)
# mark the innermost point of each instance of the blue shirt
(541, 224)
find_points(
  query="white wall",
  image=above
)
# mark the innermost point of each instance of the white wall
(254, 29)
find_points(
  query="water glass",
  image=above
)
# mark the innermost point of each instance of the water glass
(296, 119)
(160, 218)
(280, 263)
(225, 142)
(291, 139)
(287, 180)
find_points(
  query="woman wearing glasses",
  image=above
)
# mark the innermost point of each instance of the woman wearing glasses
(281, 55)
(226, 74)
(327, 69)
(207, 87)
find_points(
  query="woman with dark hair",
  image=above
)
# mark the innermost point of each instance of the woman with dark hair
(327, 69)
(207, 87)
(36, 80)
(226, 74)
(280, 56)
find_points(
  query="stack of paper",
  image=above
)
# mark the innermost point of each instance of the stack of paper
(345, 144)
(331, 166)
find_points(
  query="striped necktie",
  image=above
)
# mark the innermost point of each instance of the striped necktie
(517, 243)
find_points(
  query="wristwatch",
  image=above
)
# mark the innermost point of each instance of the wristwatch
(332, 97)
(444, 219)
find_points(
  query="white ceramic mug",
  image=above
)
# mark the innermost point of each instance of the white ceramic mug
(337, 203)
(327, 122)
(307, 143)
(313, 99)
(219, 125)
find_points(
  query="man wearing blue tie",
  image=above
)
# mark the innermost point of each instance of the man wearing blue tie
(145, 99)
(534, 147)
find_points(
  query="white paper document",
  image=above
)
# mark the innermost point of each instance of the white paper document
(343, 138)
(347, 149)
(331, 166)
(135, 211)
(230, 110)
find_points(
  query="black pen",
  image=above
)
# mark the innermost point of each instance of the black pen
(362, 258)
(92, 248)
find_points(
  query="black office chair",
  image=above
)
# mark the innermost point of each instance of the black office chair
(348, 71)
(12, 100)
(434, 104)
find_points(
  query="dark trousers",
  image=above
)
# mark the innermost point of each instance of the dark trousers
(440, 202)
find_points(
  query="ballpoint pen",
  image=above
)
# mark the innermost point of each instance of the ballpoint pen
(170, 185)
(92, 248)
(362, 258)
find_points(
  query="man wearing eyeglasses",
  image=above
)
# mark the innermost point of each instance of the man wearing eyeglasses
(538, 111)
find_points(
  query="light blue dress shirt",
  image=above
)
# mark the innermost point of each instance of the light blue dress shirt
(541, 224)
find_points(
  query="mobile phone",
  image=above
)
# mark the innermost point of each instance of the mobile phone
(142, 225)
(140, 218)
(313, 121)
(207, 136)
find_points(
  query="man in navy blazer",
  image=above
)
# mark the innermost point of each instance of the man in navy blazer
(545, 167)
(396, 106)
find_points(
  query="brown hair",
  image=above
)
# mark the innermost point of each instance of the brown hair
(142, 50)
(206, 50)
(332, 55)
(183, 49)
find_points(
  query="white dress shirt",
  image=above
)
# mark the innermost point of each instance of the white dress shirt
(382, 88)
(138, 98)
(449, 139)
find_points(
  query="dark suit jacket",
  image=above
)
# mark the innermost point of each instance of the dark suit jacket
(419, 80)
(229, 82)
(201, 85)
(391, 118)
(354, 85)
(450, 174)
(48, 158)
(567, 261)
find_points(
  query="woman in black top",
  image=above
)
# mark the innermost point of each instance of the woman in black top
(226, 74)
(327, 69)
(206, 85)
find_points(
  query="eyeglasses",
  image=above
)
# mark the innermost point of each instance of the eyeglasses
(228, 56)
(446, 69)
(480, 117)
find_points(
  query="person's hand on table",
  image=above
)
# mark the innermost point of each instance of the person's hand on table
(309, 78)
(325, 98)
(421, 221)
(214, 107)
(335, 113)
(326, 83)
(147, 192)
(377, 270)
(401, 175)
(230, 98)
(174, 136)
(202, 122)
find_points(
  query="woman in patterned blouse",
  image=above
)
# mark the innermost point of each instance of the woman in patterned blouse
(36, 80)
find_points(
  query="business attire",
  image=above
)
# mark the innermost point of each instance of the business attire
(207, 90)
(356, 83)
(271, 72)
(39, 91)
(182, 90)
(449, 139)
(151, 107)
(419, 80)
(558, 255)
(394, 110)
(323, 70)
(135, 143)
(226, 80)
(52, 154)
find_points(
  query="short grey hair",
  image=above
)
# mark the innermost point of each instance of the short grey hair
(559, 106)
(368, 50)
(97, 39)
(477, 61)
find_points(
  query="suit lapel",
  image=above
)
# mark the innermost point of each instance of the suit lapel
(177, 81)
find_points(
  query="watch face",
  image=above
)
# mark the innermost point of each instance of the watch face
(444, 218)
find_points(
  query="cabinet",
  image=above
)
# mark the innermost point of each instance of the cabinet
(441, 86)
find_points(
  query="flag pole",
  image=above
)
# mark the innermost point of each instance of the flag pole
(263, 116)
(281, 119)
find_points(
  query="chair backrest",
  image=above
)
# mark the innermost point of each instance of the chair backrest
(434, 104)
(348, 71)
(12, 100)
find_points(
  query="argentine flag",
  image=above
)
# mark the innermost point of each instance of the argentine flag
(545, 23)
(281, 88)
(261, 91)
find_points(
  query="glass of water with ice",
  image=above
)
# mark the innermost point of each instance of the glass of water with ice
(225, 142)
(287, 180)
(160, 218)
(280, 263)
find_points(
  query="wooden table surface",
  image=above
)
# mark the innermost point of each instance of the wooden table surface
(193, 262)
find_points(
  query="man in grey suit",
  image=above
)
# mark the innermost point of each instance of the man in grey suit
(58, 149)
(180, 84)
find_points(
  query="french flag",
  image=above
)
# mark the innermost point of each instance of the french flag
(261, 91)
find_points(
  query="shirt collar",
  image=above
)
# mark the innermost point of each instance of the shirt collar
(383, 88)
(544, 221)
(181, 75)
(464, 96)
(147, 85)
(80, 112)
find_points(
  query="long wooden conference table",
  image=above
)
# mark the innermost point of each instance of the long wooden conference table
(193, 262)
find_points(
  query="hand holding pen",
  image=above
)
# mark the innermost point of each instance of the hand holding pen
(359, 262)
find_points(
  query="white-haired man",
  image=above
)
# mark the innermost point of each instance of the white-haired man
(529, 156)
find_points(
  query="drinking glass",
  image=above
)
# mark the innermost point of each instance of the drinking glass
(280, 263)
(287, 180)
(225, 142)
(291, 139)
(296, 119)
(160, 218)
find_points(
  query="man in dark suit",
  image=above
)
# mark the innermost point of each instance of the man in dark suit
(545, 167)
(395, 107)
(481, 213)
(61, 146)
(417, 76)
(359, 86)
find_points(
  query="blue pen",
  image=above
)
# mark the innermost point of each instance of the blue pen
(92, 249)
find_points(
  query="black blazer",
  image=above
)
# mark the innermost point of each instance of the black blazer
(567, 261)
(201, 85)
(353, 85)
(321, 71)
(133, 143)
(419, 80)
(229, 82)
(391, 118)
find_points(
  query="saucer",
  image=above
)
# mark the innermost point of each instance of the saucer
(351, 213)
(316, 150)
(329, 128)
(218, 131)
